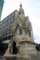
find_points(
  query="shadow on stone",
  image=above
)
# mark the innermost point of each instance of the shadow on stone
(15, 49)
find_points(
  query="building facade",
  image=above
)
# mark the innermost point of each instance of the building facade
(5, 25)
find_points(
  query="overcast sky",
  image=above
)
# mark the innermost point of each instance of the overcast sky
(31, 8)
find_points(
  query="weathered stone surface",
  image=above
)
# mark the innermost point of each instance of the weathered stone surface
(24, 38)
(27, 49)
(22, 35)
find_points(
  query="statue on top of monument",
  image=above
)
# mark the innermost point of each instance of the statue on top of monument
(21, 10)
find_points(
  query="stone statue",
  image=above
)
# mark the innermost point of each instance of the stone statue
(21, 25)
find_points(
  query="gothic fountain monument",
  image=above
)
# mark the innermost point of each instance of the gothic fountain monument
(22, 43)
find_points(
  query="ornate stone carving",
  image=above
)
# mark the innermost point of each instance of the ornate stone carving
(21, 27)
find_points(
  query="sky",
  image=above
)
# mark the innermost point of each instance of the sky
(31, 8)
